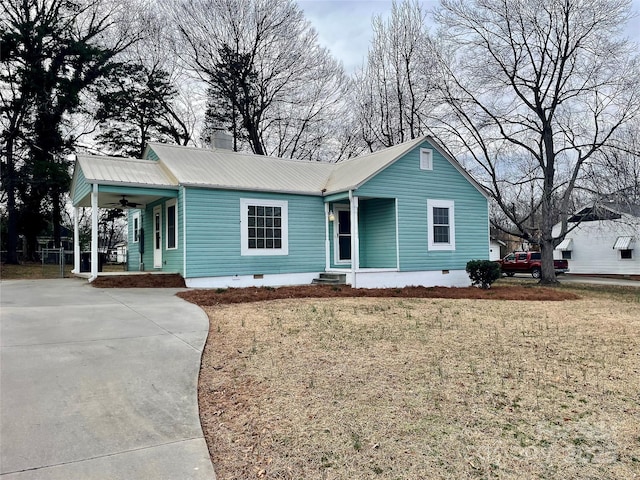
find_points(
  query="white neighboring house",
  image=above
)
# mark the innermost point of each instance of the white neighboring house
(606, 240)
(495, 247)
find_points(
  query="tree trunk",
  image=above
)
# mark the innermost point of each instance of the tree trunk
(12, 214)
(548, 273)
(548, 276)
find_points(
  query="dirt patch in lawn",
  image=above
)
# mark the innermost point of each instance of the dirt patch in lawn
(223, 296)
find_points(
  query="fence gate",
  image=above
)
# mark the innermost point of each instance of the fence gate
(56, 262)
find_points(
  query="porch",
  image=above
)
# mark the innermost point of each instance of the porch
(101, 183)
(362, 237)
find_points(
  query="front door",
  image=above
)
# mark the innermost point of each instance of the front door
(343, 236)
(157, 237)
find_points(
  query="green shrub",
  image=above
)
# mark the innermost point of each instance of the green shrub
(483, 272)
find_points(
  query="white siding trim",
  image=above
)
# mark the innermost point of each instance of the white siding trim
(240, 281)
(377, 278)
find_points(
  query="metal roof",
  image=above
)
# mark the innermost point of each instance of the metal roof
(241, 171)
(566, 245)
(623, 243)
(124, 171)
(197, 167)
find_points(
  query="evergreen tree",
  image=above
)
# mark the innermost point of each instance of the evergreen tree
(52, 50)
(135, 108)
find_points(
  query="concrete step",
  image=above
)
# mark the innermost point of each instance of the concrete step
(331, 279)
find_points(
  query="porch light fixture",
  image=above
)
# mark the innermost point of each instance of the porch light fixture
(332, 217)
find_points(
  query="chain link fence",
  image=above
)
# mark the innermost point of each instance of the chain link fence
(56, 262)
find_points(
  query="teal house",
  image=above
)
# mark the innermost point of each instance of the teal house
(406, 215)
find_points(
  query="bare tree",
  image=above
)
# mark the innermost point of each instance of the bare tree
(536, 90)
(265, 68)
(395, 89)
(615, 173)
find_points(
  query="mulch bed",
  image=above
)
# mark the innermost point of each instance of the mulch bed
(140, 281)
(252, 294)
(220, 296)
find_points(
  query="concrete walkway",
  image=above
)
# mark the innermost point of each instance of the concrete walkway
(600, 280)
(99, 383)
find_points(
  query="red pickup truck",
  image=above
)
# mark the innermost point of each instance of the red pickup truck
(528, 262)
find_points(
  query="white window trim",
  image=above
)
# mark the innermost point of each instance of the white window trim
(336, 235)
(630, 259)
(136, 231)
(244, 227)
(426, 159)
(452, 224)
(171, 203)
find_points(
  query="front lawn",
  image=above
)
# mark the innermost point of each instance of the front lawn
(405, 388)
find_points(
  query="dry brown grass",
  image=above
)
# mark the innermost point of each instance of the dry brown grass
(401, 388)
(32, 271)
(38, 271)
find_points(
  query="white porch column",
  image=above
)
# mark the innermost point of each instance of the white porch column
(327, 244)
(94, 233)
(355, 241)
(76, 240)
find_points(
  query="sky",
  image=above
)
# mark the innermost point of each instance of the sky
(344, 26)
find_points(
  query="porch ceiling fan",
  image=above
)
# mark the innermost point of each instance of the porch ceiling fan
(124, 203)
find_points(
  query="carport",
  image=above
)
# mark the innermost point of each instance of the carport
(110, 182)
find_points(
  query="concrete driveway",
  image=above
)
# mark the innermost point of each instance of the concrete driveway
(569, 278)
(99, 383)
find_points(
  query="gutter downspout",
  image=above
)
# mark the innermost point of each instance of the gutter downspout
(94, 233)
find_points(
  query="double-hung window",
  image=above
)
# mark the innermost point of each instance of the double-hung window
(264, 227)
(135, 218)
(172, 225)
(441, 225)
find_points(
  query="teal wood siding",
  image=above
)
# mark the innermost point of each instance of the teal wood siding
(412, 187)
(377, 233)
(213, 235)
(82, 188)
(133, 249)
(172, 259)
(151, 155)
